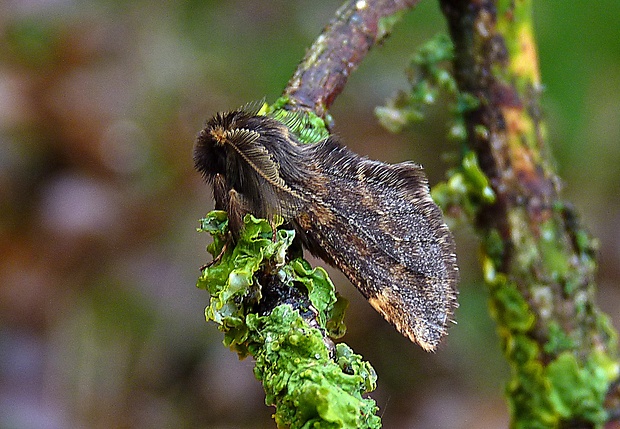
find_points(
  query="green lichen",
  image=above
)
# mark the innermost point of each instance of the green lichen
(551, 251)
(608, 333)
(508, 307)
(467, 188)
(578, 391)
(476, 179)
(559, 341)
(463, 103)
(539, 266)
(527, 390)
(427, 77)
(494, 247)
(564, 389)
(308, 386)
(386, 24)
(583, 243)
(330, 306)
(305, 125)
(528, 398)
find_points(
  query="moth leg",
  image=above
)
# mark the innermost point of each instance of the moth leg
(220, 195)
(235, 204)
(274, 231)
(238, 207)
(217, 259)
(221, 198)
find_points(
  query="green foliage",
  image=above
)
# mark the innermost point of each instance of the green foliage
(309, 387)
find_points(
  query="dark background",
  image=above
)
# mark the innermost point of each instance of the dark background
(100, 323)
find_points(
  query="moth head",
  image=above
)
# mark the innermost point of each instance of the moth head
(210, 146)
(219, 135)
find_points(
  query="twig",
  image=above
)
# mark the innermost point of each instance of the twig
(343, 44)
(539, 262)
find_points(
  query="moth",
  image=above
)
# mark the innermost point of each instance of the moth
(374, 221)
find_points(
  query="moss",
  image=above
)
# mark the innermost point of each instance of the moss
(308, 386)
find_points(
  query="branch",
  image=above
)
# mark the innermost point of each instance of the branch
(324, 71)
(538, 260)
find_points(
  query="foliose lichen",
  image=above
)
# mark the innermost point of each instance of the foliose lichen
(310, 385)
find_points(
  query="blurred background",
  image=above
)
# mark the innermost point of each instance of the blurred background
(101, 325)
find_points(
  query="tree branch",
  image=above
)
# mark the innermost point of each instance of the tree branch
(343, 44)
(539, 262)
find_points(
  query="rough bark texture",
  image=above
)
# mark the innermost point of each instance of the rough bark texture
(539, 262)
(343, 44)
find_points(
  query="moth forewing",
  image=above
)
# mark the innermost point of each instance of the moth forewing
(377, 223)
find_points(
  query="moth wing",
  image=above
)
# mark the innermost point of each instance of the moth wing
(379, 225)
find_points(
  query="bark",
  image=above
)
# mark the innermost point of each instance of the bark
(539, 261)
(343, 44)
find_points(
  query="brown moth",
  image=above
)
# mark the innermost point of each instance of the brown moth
(376, 222)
